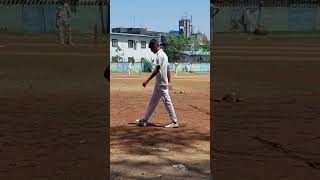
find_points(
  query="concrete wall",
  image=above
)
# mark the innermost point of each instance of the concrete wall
(302, 19)
(42, 18)
(85, 18)
(318, 20)
(275, 19)
(123, 67)
(11, 18)
(223, 20)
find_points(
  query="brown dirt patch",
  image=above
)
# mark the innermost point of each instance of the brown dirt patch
(52, 113)
(133, 153)
(273, 132)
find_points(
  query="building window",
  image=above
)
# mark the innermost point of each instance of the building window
(114, 42)
(143, 44)
(130, 43)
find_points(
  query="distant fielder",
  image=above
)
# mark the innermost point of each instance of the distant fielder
(130, 69)
(161, 88)
(176, 68)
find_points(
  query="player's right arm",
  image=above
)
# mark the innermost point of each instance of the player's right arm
(169, 78)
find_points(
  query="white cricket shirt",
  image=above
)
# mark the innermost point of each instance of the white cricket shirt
(162, 61)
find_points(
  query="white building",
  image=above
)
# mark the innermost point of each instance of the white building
(131, 46)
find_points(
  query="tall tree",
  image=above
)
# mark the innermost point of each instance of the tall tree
(206, 45)
(176, 44)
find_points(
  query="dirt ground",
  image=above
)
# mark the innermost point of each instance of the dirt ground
(273, 132)
(135, 150)
(53, 110)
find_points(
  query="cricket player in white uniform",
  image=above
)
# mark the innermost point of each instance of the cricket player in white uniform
(161, 88)
(176, 68)
(130, 69)
(63, 22)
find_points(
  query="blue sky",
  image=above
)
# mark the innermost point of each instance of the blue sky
(161, 15)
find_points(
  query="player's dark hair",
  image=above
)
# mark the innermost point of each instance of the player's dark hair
(154, 43)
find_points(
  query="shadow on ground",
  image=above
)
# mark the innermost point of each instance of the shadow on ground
(140, 150)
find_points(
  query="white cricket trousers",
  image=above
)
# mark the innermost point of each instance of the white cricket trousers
(64, 32)
(158, 92)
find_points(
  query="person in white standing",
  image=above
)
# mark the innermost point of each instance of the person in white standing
(63, 17)
(188, 67)
(176, 68)
(130, 69)
(161, 88)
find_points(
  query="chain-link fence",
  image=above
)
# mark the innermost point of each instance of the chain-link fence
(272, 15)
(267, 3)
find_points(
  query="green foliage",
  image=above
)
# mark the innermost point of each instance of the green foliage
(206, 45)
(196, 46)
(200, 45)
(118, 57)
(176, 45)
